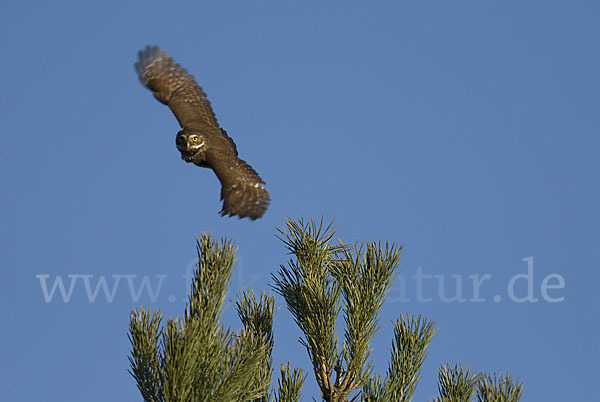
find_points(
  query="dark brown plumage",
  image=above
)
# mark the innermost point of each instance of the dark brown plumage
(202, 141)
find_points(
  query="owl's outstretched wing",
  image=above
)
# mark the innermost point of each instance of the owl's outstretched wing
(242, 190)
(176, 88)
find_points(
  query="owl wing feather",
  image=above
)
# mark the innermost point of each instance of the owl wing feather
(176, 88)
(242, 190)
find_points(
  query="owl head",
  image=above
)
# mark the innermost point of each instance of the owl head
(191, 144)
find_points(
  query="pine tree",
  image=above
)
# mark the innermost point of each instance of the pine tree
(196, 358)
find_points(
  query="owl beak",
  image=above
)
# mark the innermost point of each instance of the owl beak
(187, 145)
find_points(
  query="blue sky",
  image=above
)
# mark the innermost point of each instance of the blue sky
(466, 131)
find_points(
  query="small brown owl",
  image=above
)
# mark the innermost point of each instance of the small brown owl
(202, 141)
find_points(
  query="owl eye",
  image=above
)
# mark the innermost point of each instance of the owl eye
(195, 139)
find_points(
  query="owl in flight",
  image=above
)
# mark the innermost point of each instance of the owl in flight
(202, 141)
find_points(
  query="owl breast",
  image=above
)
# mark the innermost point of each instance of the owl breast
(195, 156)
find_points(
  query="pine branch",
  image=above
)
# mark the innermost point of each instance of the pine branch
(257, 317)
(412, 337)
(178, 362)
(237, 376)
(290, 385)
(372, 389)
(197, 347)
(365, 278)
(456, 384)
(145, 360)
(312, 286)
(498, 388)
(216, 262)
(196, 358)
(311, 294)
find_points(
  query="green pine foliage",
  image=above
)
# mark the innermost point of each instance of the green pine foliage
(456, 384)
(195, 358)
(412, 337)
(290, 385)
(257, 317)
(498, 388)
(312, 296)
